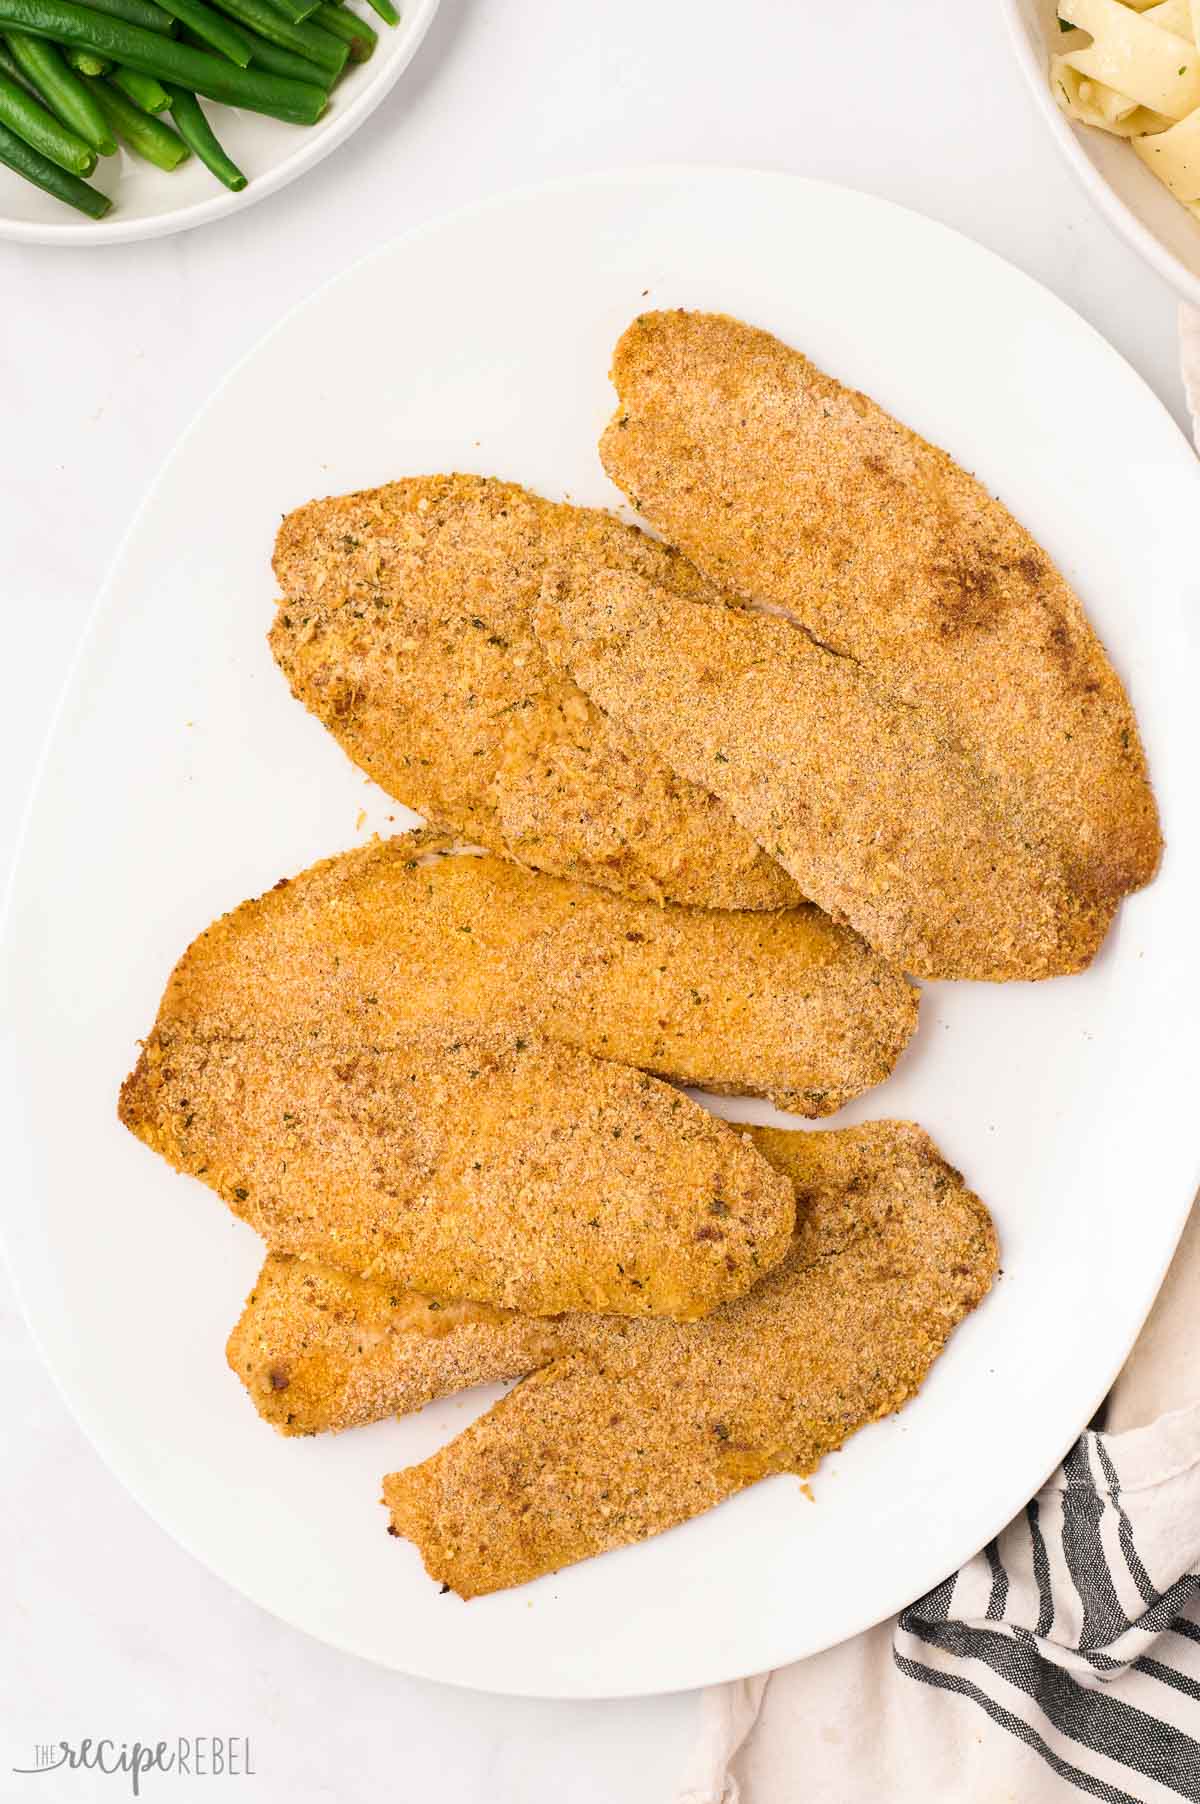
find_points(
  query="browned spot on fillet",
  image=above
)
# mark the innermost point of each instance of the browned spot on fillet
(967, 593)
(880, 545)
(884, 823)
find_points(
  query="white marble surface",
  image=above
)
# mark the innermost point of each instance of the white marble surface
(104, 357)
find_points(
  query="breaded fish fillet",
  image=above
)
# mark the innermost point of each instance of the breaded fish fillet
(391, 936)
(885, 825)
(800, 495)
(490, 1167)
(322, 1350)
(404, 627)
(640, 1425)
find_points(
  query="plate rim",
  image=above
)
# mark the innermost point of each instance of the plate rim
(647, 174)
(74, 234)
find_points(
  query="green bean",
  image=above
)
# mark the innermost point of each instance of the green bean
(84, 63)
(269, 56)
(136, 12)
(284, 62)
(11, 68)
(296, 10)
(44, 174)
(25, 116)
(348, 26)
(63, 92)
(386, 11)
(213, 29)
(141, 132)
(199, 136)
(165, 58)
(308, 41)
(148, 95)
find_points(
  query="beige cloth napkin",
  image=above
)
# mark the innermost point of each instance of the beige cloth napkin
(910, 1712)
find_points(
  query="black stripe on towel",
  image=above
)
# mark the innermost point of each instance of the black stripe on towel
(935, 1605)
(1041, 1570)
(1163, 1613)
(1104, 1620)
(999, 1597)
(1157, 1669)
(1163, 1606)
(1137, 1571)
(1093, 1718)
(944, 1681)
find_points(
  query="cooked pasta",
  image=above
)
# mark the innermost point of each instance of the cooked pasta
(1095, 103)
(1174, 157)
(1138, 78)
(1135, 56)
(1173, 15)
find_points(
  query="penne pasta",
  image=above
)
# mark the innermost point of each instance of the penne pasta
(1138, 79)
(1114, 108)
(1092, 103)
(1157, 69)
(1174, 157)
(1174, 15)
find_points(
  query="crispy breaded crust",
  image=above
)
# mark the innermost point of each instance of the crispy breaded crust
(391, 936)
(642, 1425)
(485, 1166)
(405, 628)
(320, 1350)
(884, 824)
(803, 496)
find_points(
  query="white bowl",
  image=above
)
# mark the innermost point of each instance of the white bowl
(149, 202)
(1130, 198)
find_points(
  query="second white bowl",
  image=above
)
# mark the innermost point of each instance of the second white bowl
(1132, 200)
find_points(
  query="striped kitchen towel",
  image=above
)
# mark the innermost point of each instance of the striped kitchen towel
(1078, 1631)
(1064, 1659)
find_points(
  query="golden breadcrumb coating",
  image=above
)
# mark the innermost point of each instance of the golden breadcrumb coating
(391, 936)
(803, 496)
(886, 826)
(636, 1426)
(485, 1166)
(404, 627)
(320, 1350)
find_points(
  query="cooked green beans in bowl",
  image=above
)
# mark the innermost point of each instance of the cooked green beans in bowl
(79, 80)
